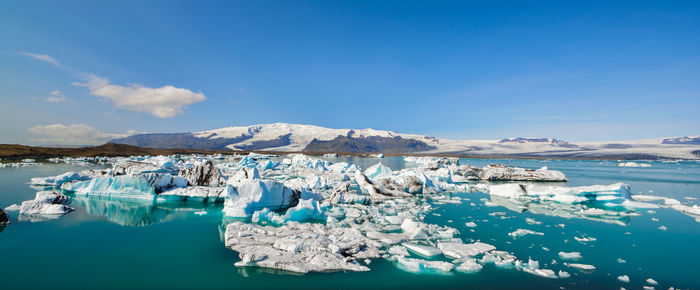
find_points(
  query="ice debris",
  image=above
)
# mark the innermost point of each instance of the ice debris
(624, 278)
(522, 232)
(570, 255)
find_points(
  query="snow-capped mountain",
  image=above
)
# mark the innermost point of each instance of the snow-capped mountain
(308, 138)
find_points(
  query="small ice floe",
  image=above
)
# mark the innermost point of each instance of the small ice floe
(624, 278)
(621, 260)
(655, 219)
(398, 251)
(648, 287)
(582, 267)
(533, 267)
(13, 207)
(564, 274)
(633, 164)
(457, 250)
(570, 255)
(469, 266)
(423, 266)
(470, 224)
(560, 225)
(651, 281)
(200, 212)
(532, 221)
(663, 228)
(585, 239)
(522, 232)
(423, 250)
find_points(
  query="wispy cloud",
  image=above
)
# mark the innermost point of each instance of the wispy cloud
(55, 97)
(164, 102)
(42, 57)
(75, 134)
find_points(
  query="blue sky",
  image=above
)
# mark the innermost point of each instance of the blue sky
(78, 72)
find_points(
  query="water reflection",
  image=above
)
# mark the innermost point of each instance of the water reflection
(568, 211)
(123, 212)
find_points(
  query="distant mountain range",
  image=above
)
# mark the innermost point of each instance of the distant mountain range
(285, 137)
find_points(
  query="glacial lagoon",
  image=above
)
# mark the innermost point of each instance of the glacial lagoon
(114, 243)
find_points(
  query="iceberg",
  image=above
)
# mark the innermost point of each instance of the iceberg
(300, 248)
(56, 181)
(306, 209)
(202, 174)
(144, 186)
(624, 278)
(378, 171)
(614, 193)
(46, 203)
(254, 195)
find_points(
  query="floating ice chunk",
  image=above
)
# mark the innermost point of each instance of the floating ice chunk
(459, 250)
(242, 175)
(499, 258)
(13, 207)
(633, 164)
(254, 195)
(570, 255)
(522, 232)
(648, 287)
(398, 251)
(46, 203)
(200, 213)
(585, 239)
(652, 281)
(470, 224)
(59, 179)
(531, 221)
(378, 171)
(423, 266)
(414, 230)
(502, 172)
(621, 261)
(425, 251)
(583, 267)
(564, 274)
(624, 278)
(305, 210)
(533, 267)
(663, 228)
(266, 216)
(563, 194)
(469, 266)
(300, 248)
(387, 238)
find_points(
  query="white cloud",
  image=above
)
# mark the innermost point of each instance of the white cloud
(76, 134)
(42, 57)
(55, 97)
(164, 102)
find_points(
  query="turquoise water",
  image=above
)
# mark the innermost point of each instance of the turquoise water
(114, 244)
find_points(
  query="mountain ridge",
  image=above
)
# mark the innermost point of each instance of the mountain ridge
(286, 137)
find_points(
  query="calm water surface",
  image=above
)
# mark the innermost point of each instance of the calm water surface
(116, 244)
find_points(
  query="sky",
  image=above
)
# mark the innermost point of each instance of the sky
(83, 72)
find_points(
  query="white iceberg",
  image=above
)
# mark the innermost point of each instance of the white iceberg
(459, 250)
(254, 195)
(570, 255)
(523, 232)
(502, 172)
(617, 192)
(46, 203)
(144, 186)
(59, 179)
